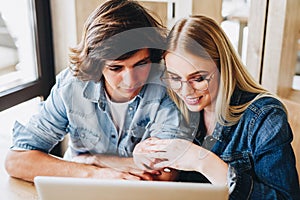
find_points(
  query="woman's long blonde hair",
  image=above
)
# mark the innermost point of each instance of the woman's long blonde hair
(203, 37)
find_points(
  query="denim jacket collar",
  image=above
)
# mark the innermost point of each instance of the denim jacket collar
(239, 97)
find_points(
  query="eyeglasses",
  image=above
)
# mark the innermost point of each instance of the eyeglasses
(199, 83)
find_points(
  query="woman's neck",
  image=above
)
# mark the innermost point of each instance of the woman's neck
(209, 121)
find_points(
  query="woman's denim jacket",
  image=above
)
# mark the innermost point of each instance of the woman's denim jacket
(258, 150)
(80, 109)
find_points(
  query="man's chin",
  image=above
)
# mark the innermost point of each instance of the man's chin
(130, 91)
(127, 96)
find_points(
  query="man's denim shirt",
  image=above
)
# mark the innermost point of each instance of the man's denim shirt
(258, 149)
(80, 109)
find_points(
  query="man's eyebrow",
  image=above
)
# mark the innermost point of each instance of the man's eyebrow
(142, 60)
(118, 65)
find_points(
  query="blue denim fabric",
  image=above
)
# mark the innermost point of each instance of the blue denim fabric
(80, 109)
(259, 150)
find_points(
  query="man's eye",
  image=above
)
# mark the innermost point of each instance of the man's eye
(114, 68)
(142, 64)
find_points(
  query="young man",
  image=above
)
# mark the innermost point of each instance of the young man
(109, 100)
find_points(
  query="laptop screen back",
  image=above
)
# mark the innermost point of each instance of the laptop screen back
(55, 188)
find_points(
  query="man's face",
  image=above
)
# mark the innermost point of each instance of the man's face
(125, 78)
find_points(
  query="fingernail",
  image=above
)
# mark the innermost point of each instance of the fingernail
(167, 170)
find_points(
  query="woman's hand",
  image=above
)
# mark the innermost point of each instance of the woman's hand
(180, 154)
(155, 153)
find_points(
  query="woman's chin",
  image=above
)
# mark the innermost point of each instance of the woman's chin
(194, 108)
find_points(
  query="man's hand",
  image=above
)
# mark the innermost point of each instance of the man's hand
(118, 165)
(109, 173)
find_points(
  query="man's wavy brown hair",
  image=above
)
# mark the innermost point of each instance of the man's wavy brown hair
(99, 42)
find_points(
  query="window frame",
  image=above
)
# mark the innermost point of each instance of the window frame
(45, 60)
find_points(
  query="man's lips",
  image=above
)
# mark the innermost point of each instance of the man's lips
(129, 90)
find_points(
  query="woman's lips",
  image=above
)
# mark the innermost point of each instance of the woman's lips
(192, 101)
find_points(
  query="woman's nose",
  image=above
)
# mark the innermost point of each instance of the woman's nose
(186, 88)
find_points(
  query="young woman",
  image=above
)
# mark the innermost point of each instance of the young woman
(243, 138)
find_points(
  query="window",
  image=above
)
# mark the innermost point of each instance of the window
(27, 66)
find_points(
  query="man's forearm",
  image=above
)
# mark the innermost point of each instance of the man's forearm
(28, 164)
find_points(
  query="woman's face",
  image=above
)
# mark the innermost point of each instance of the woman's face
(199, 79)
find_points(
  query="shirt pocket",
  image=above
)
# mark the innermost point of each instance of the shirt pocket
(83, 139)
(139, 130)
(137, 133)
(240, 161)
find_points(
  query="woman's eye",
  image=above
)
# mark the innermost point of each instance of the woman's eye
(199, 78)
(175, 78)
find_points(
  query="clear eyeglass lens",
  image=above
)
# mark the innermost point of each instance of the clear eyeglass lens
(176, 85)
(201, 86)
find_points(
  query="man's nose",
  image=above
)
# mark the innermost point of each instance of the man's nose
(129, 77)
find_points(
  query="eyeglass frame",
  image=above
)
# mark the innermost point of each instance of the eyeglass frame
(211, 76)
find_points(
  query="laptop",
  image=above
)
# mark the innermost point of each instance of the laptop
(56, 188)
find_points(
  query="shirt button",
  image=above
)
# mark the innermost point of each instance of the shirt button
(130, 108)
(101, 105)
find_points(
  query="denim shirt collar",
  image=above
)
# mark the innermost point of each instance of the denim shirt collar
(92, 90)
(95, 93)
